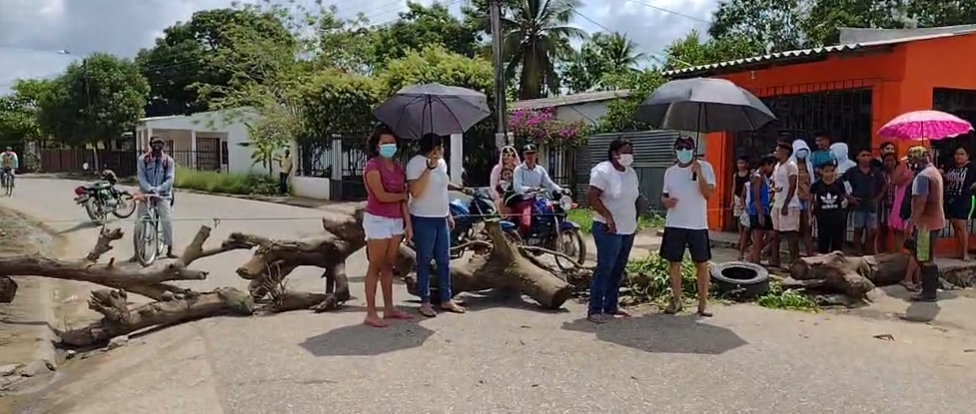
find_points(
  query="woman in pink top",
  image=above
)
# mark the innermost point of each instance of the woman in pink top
(385, 222)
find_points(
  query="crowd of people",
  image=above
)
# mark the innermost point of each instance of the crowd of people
(781, 197)
(890, 202)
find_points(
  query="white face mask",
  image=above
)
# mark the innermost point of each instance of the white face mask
(625, 159)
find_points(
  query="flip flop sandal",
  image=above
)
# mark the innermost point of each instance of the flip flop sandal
(454, 309)
(426, 313)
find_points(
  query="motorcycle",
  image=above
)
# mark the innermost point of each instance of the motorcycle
(102, 198)
(468, 215)
(550, 229)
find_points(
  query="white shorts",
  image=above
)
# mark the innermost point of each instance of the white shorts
(379, 228)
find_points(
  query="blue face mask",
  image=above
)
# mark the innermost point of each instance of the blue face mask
(388, 150)
(802, 154)
(684, 155)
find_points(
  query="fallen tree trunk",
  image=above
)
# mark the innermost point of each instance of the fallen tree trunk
(271, 263)
(504, 266)
(851, 275)
(118, 319)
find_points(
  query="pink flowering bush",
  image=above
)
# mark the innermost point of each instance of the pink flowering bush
(541, 125)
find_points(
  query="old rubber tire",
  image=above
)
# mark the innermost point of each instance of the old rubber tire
(747, 280)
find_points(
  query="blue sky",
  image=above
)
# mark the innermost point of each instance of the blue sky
(35, 33)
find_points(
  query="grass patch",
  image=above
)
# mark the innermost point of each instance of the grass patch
(647, 281)
(584, 217)
(227, 183)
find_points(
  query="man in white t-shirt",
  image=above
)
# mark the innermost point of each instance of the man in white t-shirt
(786, 204)
(687, 187)
(613, 196)
(431, 221)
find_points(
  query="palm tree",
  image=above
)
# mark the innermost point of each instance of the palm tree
(537, 35)
(619, 52)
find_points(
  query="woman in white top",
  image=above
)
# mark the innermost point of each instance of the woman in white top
(613, 196)
(431, 220)
(507, 158)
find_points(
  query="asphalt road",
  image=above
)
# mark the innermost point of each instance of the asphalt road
(498, 358)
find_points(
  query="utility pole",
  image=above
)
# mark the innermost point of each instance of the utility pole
(495, 15)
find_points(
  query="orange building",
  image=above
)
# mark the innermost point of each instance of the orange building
(849, 90)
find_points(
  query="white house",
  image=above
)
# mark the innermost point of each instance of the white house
(208, 141)
(587, 108)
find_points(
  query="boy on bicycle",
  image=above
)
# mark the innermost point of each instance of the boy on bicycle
(156, 172)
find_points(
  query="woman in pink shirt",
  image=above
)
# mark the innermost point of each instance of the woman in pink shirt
(385, 222)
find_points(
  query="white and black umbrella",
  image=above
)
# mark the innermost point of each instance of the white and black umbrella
(432, 108)
(703, 105)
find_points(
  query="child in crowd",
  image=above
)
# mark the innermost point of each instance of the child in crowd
(831, 217)
(758, 204)
(740, 180)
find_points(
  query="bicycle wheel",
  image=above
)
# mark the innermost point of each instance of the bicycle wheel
(125, 206)
(146, 242)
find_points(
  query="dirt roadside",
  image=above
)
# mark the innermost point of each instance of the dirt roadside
(26, 339)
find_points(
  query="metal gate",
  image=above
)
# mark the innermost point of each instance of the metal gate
(208, 154)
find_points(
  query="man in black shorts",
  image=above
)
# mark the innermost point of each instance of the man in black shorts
(687, 187)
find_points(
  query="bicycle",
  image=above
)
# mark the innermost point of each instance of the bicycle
(148, 240)
(8, 182)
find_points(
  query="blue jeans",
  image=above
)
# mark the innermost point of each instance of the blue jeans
(431, 239)
(612, 253)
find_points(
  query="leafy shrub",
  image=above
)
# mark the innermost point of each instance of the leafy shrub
(226, 183)
(647, 282)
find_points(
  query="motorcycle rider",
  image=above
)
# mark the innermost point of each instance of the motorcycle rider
(528, 177)
(156, 172)
(9, 161)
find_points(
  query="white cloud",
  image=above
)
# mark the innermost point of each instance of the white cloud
(32, 31)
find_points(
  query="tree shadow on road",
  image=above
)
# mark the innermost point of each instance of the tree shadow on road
(659, 333)
(362, 340)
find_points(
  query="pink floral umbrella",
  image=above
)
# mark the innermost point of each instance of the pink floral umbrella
(922, 125)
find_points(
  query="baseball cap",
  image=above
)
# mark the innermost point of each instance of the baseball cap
(529, 148)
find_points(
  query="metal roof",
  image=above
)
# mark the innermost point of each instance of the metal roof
(577, 99)
(820, 51)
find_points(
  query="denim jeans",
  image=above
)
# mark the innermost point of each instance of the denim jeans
(283, 183)
(431, 239)
(612, 252)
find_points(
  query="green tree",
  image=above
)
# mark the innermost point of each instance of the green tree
(936, 13)
(420, 27)
(186, 55)
(336, 102)
(19, 111)
(343, 44)
(537, 35)
(436, 64)
(264, 77)
(100, 98)
(773, 25)
(620, 112)
(821, 25)
(692, 51)
(599, 56)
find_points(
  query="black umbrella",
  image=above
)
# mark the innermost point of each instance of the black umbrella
(432, 108)
(703, 105)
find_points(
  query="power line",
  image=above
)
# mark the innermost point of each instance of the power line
(669, 11)
(655, 54)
